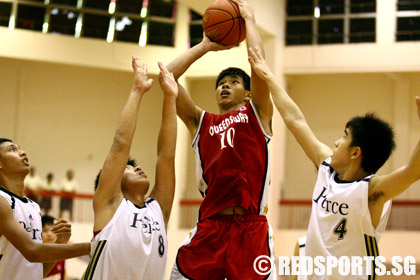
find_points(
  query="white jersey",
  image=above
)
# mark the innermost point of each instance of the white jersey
(340, 223)
(133, 245)
(13, 264)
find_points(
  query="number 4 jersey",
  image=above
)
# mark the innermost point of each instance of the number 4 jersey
(232, 162)
(133, 245)
(340, 223)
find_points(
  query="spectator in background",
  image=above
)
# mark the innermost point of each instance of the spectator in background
(69, 185)
(47, 191)
(58, 272)
(33, 184)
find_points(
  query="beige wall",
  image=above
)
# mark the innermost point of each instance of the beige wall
(65, 116)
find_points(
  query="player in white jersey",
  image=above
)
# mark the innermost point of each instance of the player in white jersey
(130, 232)
(350, 205)
(21, 248)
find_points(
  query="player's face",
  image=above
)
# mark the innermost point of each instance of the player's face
(13, 159)
(230, 92)
(135, 176)
(47, 235)
(342, 152)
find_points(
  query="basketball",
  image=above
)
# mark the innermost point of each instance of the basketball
(223, 24)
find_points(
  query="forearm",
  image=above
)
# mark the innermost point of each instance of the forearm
(168, 129)
(413, 167)
(181, 64)
(253, 39)
(287, 108)
(128, 120)
(54, 252)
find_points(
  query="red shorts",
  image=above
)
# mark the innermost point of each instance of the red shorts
(224, 246)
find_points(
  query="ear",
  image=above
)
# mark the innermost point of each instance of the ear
(356, 153)
(248, 96)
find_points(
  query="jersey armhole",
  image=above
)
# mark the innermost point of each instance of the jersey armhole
(254, 110)
(197, 134)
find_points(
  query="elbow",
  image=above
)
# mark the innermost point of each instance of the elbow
(33, 254)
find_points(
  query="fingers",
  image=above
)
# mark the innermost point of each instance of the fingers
(61, 227)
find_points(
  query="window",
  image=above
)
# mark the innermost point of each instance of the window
(5, 11)
(135, 21)
(127, 29)
(408, 20)
(330, 21)
(299, 32)
(362, 30)
(29, 17)
(408, 29)
(196, 28)
(330, 31)
(95, 26)
(62, 21)
(408, 5)
(363, 6)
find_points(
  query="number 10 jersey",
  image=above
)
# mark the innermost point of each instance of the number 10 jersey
(232, 162)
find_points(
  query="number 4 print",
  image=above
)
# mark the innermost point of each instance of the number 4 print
(340, 229)
(229, 138)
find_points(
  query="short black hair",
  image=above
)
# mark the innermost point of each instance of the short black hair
(130, 161)
(3, 140)
(375, 138)
(47, 220)
(232, 71)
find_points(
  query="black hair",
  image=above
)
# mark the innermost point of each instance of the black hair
(47, 220)
(130, 161)
(4, 140)
(232, 71)
(375, 138)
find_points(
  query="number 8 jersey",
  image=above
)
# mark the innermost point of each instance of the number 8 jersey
(232, 162)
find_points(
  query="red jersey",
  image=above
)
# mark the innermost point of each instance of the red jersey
(232, 162)
(58, 269)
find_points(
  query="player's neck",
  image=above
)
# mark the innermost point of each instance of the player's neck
(13, 184)
(351, 174)
(227, 108)
(137, 199)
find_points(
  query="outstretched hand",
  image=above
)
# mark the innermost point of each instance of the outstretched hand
(62, 229)
(246, 11)
(213, 46)
(258, 64)
(141, 82)
(167, 81)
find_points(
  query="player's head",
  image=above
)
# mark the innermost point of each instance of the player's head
(133, 178)
(70, 174)
(13, 160)
(50, 177)
(373, 136)
(47, 224)
(233, 86)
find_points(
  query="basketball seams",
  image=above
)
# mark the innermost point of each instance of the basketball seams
(224, 12)
(234, 8)
(232, 19)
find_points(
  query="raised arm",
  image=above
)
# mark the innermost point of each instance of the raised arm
(290, 112)
(186, 108)
(164, 188)
(108, 195)
(384, 188)
(35, 252)
(259, 89)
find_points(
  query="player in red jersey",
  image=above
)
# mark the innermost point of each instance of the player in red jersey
(232, 169)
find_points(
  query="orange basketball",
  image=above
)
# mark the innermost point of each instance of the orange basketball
(223, 24)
